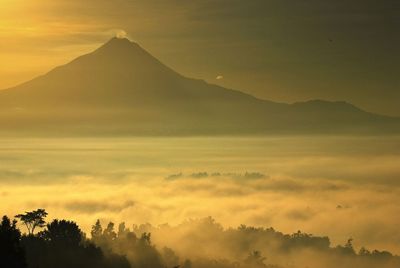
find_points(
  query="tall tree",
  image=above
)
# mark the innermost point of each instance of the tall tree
(97, 230)
(33, 219)
(12, 254)
(63, 232)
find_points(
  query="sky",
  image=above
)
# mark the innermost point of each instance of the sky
(284, 50)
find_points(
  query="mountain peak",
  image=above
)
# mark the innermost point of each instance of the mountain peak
(123, 50)
(117, 43)
(119, 40)
(123, 88)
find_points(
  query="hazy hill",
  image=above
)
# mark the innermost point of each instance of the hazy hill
(121, 89)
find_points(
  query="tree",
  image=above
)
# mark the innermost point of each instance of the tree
(12, 254)
(146, 238)
(63, 232)
(33, 219)
(187, 264)
(109, 233)
(97, 230)
(122, 230)
(63, 245)
(347, 249)
(364, 252)
(170, 258)
(255, 259)
(349, 246)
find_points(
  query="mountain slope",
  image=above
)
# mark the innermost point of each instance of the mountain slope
(121, 89)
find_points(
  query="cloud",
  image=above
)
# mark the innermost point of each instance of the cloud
(230, 175)
(301, 214)
(199, 175)
(91, 207)
(121, 34)
(127, 180)
(174, 176)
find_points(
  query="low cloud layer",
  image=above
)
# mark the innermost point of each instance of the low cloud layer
(314, 185)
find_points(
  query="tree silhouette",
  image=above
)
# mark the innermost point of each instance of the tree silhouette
(255, 259)
(97, 230)
(122, 230)
(11, 252)
(109, 233)
(347, 249)
(170, 258)
(187, 264)
(146, 238)
(62, 232)
(63, 245)
(33, 219)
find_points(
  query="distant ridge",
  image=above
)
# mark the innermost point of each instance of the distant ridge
(121, 89)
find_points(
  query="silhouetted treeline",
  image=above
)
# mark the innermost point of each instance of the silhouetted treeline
(199, 243)
(11, 251)
(207, 244)
(60, 245)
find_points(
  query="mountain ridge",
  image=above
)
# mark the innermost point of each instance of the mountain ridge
(123, 86)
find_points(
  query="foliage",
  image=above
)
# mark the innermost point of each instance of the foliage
(62, 244)
(12, 254)
(33, 219)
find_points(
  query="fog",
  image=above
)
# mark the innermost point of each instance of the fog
(341, 187)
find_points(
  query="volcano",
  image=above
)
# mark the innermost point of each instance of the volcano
(121, 89)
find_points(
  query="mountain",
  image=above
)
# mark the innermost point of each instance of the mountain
(120, 89)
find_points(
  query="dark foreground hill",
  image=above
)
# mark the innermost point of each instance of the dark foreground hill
(120, 89)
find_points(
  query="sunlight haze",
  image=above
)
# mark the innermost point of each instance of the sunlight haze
(279, 50)
(199, 134)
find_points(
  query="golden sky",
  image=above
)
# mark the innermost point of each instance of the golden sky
(279, 50)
